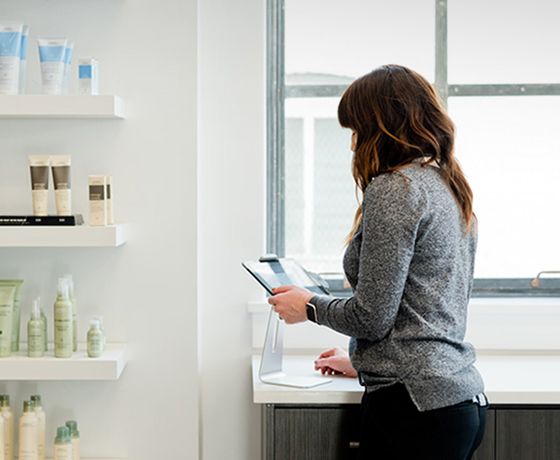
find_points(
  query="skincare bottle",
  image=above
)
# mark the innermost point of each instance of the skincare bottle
(41, 426)
(109, 189)
(75, 435)
(68, 52)
(35, 339)
(2, 443)
(10, 55)
(95, 340)
(45, 329)
(8, 416)
(60, 166)
(28, 433)
(63, 321)
(23, 59)
(62, 444)
(51, 56)
(74, 312)
(7, 295)
(39, 169)
(100, 319)
(97, 200)
(88, 76)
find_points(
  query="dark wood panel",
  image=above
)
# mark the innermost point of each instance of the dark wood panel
(528, 434)
(487, 449)
(315, 433)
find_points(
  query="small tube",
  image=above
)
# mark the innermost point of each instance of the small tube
(23, 59)
(39, 167)
(68, 53)
(97, 200)
(60, 165)
(10, 55)
(109, 197)
(88, 76)
(51, 55)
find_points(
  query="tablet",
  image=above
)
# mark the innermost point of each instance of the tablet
(273, 272)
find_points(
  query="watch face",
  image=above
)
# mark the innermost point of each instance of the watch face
(311, 312)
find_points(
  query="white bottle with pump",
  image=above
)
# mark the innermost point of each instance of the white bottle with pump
(63, 330)
(41, 426)
(8, 416)
(75, 436)
(62, 444)
(2, 444)
(28, 433)
(35, 333)
(72, 296)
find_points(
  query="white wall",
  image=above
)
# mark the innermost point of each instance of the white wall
(231, 219)
(146, 290)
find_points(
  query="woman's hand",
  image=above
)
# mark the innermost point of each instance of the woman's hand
(290, 302)
(335, 361)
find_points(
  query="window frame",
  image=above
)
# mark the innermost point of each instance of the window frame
(278, 92)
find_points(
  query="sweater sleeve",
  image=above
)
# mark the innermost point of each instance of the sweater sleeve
(391, 211)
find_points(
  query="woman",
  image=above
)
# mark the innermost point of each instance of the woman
(409, 260)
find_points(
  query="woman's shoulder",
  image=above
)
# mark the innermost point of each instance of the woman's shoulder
(404, 183)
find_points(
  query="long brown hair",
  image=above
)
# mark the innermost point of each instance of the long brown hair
(399, 118)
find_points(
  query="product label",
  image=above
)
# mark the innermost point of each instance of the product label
(97, 192)
(63, 333)
(9, 74)
(63, 451)
(35, 342)
(85, 71)
(40, 202)
(6, 329)
(53, 75)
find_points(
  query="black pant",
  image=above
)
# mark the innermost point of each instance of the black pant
(394, 429)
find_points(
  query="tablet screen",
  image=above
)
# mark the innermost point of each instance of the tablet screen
(282, 272)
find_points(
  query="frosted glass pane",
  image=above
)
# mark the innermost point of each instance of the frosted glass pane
(320, 192)
(500, 41)
(352, 37)
(510, 150)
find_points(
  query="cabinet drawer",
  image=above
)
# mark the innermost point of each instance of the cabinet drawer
(316, 433)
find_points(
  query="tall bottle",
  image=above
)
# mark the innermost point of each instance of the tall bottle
(35, 339)
(45, 327)
(63, 322)
(72, 295)
(41, 426)
(62, 444)
(2, 444)
(75, 435)
(8, 416)
(28, 433)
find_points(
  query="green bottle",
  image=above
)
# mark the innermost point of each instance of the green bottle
(7, 293)
(95, 339)
(16, 315)
(74, 312)
(75, 435)
(63, 333)
(35, 339)
(45, 330)
(63, 444)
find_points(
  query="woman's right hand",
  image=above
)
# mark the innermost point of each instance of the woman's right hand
(335, 361)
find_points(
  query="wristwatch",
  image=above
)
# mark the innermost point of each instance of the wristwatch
(311, 312)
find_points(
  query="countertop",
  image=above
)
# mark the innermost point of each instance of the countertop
(510, 377)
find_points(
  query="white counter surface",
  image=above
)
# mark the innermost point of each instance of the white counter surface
(510, 378)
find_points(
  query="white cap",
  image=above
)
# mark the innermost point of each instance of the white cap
(36, 311)
(94, 323)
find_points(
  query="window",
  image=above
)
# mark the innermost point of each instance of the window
(499, 94)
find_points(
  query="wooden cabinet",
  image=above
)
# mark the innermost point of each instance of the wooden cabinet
(331, 432)
(532, 434)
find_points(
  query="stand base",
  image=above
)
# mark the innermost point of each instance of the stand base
(279, 378)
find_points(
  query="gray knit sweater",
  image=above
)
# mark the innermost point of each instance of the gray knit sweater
(411, 268)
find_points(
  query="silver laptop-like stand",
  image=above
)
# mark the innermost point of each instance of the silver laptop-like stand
(270, 370)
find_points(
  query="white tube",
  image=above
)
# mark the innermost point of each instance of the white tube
(97, 200)
(68, 53)
(88, 76)
(51, 55)
(23, 59)
(10, 47)
(39, 168)
(60, 165)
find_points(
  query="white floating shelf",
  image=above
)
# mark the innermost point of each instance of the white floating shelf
(80, 236)
(108, 367)
(42, 106)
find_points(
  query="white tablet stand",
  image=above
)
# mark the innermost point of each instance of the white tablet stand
(270, 370)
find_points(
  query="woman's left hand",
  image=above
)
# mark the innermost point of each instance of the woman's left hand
(290, 302)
